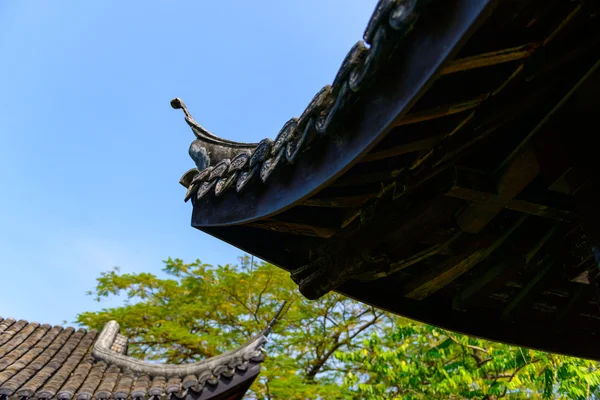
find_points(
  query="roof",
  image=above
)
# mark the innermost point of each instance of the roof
(447, 174)
(223, 165)
(52, 362)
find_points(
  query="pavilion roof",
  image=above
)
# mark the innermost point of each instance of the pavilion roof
(448, 174)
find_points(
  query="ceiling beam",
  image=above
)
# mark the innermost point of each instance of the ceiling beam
(455, 266)
(518, 174)
(490, 58)
(522, 206)
(406, 148)
(441, 111)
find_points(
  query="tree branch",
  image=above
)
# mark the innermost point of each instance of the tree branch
(319, 363)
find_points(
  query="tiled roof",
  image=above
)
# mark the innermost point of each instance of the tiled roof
(52, 362)
(222, 165)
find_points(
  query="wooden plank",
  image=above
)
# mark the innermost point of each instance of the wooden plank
(525, 292)
(441, 111)
(406, 148)
(456, 266)
(489, 59)
(522, 206)
(337, 202)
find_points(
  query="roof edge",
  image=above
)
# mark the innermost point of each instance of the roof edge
(249, 352)
(209, 149)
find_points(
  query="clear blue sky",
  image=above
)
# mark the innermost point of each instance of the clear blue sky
(90, 150)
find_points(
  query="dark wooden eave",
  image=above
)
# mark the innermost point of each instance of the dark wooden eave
(461, 186)
(380, 106)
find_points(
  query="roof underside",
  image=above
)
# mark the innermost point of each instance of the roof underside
(458, 187)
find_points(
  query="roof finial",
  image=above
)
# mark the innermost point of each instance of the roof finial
(177, 104)
(275, 318)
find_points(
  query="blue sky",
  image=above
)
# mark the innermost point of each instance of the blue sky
(90, 150)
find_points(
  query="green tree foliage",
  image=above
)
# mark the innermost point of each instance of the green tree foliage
(416, 361)
(331, 348)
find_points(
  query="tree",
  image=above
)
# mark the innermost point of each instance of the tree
(416, 361)
(326, 349)
(199, 311)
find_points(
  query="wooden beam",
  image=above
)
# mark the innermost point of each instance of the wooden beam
(294, 228)
(489, 59)
(522, 206)
(510, 265)
(405, 148)
(583, 270)
(575, 300)
(565, 22)
(366, 178)
(460, 302)
(568, 182)
(337, 202)
(441, 111)
(476, 196)
(533, 252)
(521, 147)
(518, 174)
(455, 266)
(516, 171)
(422, 255)
(525, 292)
(469, 143)
(542, 211)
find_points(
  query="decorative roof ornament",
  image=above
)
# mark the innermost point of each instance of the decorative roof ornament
(390, 23)
(209, 149)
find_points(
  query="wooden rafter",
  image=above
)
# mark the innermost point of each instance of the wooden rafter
(337, 202)
(524, 168)
(418, 145)
(423, 255)
(492, 277)
(463, 300)
(366, 178)
(518, 169)
(490, 58)
(525, 292)
(455, 266)
(575, 299)
(441, 111)
(522, 206)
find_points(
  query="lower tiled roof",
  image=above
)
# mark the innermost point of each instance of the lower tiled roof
(47, 362)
